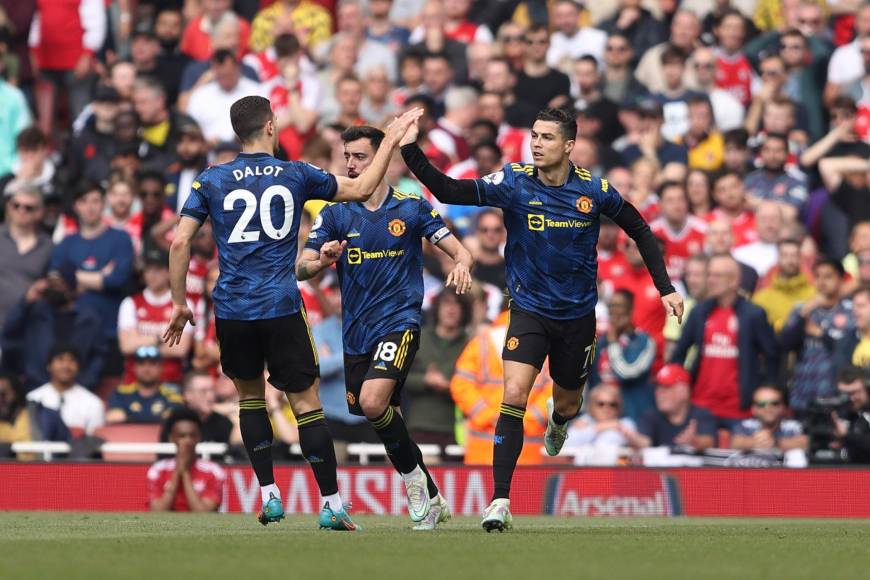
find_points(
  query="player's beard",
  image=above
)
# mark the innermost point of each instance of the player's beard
(352, 174)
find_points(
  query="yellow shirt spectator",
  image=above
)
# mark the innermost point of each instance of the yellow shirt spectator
(312, 23)
(709, 154)
(783, 294)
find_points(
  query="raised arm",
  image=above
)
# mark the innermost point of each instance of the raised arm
(361, 188)
(445, 189)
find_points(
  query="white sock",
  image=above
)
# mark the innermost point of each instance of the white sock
(265, 490)
(334, 502)
(415, 474)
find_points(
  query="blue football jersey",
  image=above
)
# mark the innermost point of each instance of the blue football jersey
(255, 203)
(552, 234)
(381, 270)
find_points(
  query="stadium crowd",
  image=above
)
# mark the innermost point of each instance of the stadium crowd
(740, 129)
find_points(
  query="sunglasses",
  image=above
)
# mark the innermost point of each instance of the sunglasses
(763, 404)
(25, 207)
(611, 404)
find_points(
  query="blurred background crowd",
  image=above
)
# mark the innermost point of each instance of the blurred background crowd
(740, 129)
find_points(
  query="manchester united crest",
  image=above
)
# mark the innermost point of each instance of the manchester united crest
(351, 400)
(396, 227)
(512, 343)
(584, 204)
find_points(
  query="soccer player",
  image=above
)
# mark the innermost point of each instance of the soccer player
(382, 295)
(254, 203)
(551, 213)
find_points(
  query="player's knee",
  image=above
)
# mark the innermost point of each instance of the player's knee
(516, 392)
(372, 405)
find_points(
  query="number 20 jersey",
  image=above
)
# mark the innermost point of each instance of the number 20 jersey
(255, 203)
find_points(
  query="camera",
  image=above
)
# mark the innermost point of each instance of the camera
(819, 427)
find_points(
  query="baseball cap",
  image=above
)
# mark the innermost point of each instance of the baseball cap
(672, 375)
(147, 353)
(649, 108)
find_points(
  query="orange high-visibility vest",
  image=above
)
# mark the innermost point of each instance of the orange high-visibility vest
(477, 388)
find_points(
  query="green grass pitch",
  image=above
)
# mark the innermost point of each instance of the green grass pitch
(69, 546)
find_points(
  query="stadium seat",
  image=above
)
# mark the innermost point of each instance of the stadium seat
(129, 433)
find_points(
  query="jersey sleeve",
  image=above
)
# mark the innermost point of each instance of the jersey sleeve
(609, 200)
(317, 183)
(496, 189)
(324, 228)
(432, 227)
(196, 206)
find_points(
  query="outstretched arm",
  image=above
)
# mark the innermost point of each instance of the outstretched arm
(361, 188)
(630, 220)
(445, 189)
(179, 262)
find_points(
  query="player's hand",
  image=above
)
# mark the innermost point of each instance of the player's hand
(673, 304)
(460, 277)
(181, 315)
(330, 252)
(411, 134)
(400, 125)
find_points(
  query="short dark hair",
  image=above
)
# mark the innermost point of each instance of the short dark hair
(788, 242)
(86, 187)
(64, 348)
(31, 139)
(627, 294)
(249, 116)
(491, 145)
(464, 305)
(438, 56)
(850, 374)
(374, 135)
(176, 416)
(776, 136)
(723, 174)
(843, 102)
(590, 59)
(286, 45)
(673, 53)
(670, 185)
(836, 265)
(538, 27)
(738, 137)
(565, 119)
(488, 125)
(150, 175)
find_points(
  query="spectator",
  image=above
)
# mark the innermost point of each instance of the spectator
(34, 169)
(570, 41)
(769, 94)
(82, 411)
(432, 413)
(302, 14)
(769, 428)
(685, 35)
(433, 37)
(842, 140)
(732, 207)
(538, 85)
(348, 95)
(490, 236)
(64, 38)
(145, 399)
(625, 357)
(438, 76)
(477, 387)
(380, 28)
(676, 421)
(648, 316)
(762, 254)
(460, 28)
(191, 151)
(812, 331)
(620, 86)
(448, 136)
(722, 327)
(695, 282)
(48, 315)
(185, 483)
(91, 150)
(738, 156)
(24, 250)
(145, 52)
(209, 104)
(789, 287)
(97, 261)
(861, 310)
(728, 111)
(851, 428)
(720, 242)
(651, 144)
(586, 89)
(699, 193)
(846, 178)
(143, 318)
(376, 108)
(674, 95)
(14, 418)
(598, 434)
(704, 141)
(805, 79)
(159, 124)
(153, 211)
(772, 182)
(683, 234)
(846, 64)
(197, 39)
(16, 115)
(199, 396)
(733, 70)
(637, 24)
(859, 243)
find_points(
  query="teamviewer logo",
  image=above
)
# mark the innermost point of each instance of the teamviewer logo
(536, 222)
(354, 256)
